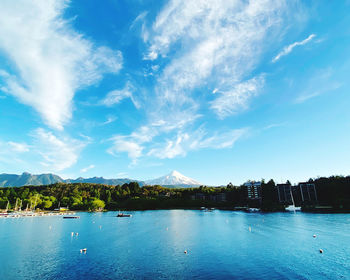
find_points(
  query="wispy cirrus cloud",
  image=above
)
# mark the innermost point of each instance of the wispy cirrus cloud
(52, 152)
(18, 147)
(86, 169)
(183, 143)
(56, 152)
(288, 49)
(200, 46)
(322, 81)
(237, 99)
(116, 96)
(52, 60)
(221, 44)
(11, 151)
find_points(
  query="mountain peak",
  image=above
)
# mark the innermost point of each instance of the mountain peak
(175, 173)
(174, 178)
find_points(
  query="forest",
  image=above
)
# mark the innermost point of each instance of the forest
(333, 191)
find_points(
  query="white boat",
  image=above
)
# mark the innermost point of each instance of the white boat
(293, 208)
(253, 210)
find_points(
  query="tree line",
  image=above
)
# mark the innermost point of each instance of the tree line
(333, 191)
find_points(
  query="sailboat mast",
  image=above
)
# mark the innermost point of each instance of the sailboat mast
(291, 194)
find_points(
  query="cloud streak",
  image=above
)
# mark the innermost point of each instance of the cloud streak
(56, 153)
(86, 169)
(185, 142)
(116, 96)
(288, 49)
(237, 99)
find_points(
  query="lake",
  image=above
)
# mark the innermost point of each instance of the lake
(151, 245)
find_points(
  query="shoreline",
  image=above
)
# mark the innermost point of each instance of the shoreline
(247, 210)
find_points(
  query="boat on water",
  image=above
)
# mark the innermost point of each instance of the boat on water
(71, 217)
(205, 209)
(121, 215)
(293, 208)
(252, 210)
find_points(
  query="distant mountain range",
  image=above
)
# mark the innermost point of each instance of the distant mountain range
(26, 179)
(174, 179)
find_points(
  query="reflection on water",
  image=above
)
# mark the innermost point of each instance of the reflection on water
(151, 245)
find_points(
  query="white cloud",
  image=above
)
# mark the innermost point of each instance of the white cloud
(286, 50)
(201, 45)
(122, 174)
(125, 144)
(52, 60)
(44, 152)
(138, 19)
(237, 99)
(86, 169)
(320, 82)
(221, 43)
(116, 96)
(12, 153)
(109, 120)
(185, 142)
(18, 147)
(274, 125)
(317, 91)
(57, 153)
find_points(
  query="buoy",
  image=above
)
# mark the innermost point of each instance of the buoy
(185, 251)
(321, 251)
(314, 236)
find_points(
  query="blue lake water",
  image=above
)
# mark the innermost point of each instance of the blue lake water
(151, 245)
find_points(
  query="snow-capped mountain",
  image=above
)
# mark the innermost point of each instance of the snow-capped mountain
(174, 179)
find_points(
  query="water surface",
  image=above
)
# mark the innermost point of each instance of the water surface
(151, 245)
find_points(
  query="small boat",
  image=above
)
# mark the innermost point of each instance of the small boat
(83, 250)
(252, 210)
(71, 217)
(120, 215)
(293, 208)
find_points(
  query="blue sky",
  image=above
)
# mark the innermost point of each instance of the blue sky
(222, 91)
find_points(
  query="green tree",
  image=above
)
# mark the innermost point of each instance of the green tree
(46, 204)
(97, 204)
